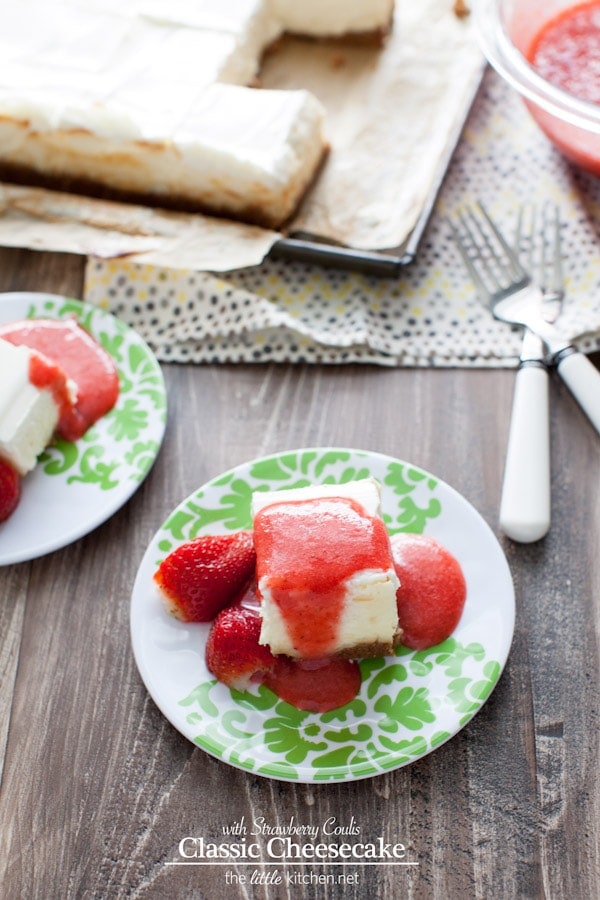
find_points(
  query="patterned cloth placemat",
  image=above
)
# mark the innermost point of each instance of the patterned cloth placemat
(427, 316)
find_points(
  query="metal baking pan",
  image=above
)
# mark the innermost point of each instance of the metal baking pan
(389, 262)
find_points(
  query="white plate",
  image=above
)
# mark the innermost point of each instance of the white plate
(408, 704)
(77, 486)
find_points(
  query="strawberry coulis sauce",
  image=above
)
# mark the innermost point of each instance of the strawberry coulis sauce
(306, 572)
(432, 591)
(566, 51)
(64, 348)
(315, 685)
(430, 599)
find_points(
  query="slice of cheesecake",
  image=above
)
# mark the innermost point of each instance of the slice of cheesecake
(325, 572)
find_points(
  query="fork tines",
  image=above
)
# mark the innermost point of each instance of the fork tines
(539, 245)
(488, 257)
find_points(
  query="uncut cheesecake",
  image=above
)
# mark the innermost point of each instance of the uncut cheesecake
(148, 100)
(325, 573)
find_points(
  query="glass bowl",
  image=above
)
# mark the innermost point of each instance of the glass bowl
(506, 30)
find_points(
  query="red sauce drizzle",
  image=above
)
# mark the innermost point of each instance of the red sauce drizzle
(566, 51)
(44, 373)
(67, 349)
(307, 570)
(316, 685)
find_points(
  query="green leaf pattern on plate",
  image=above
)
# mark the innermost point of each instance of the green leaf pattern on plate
(141, 395)
(389, 723)
(413, 490)
(398, 715)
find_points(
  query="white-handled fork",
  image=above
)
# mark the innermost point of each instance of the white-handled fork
(525, 506)
(512, 295)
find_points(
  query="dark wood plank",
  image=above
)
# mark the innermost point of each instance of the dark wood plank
(53, 273)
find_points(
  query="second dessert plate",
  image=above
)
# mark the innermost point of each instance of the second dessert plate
(77, 486)
(409, 704)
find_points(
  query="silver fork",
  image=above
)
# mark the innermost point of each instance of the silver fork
(507, 287)
(540, 250)
(514, 298)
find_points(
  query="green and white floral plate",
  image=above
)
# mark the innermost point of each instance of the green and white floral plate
(77, 486)
(408, 705)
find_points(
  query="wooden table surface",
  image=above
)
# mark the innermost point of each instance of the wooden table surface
(98, 788)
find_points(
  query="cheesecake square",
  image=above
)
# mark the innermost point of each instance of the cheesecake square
(325, 573)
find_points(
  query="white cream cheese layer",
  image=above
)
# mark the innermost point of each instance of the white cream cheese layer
(370, 615)
(28, 415)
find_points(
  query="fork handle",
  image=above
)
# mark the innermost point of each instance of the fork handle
(525, 503)
(583, 380)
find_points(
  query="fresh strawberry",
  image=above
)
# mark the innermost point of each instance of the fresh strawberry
(203, 576)
(432, 590)
(10, 489)
(233, 653)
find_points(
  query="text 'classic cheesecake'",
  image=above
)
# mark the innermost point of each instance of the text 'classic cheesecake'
(325, 572)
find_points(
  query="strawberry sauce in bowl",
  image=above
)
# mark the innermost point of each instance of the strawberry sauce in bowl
(549, 51)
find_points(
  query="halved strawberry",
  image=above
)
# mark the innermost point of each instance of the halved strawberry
(10, 490)
(233, 653)
(203, 576)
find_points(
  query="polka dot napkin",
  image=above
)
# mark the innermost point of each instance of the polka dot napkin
(428, 316)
